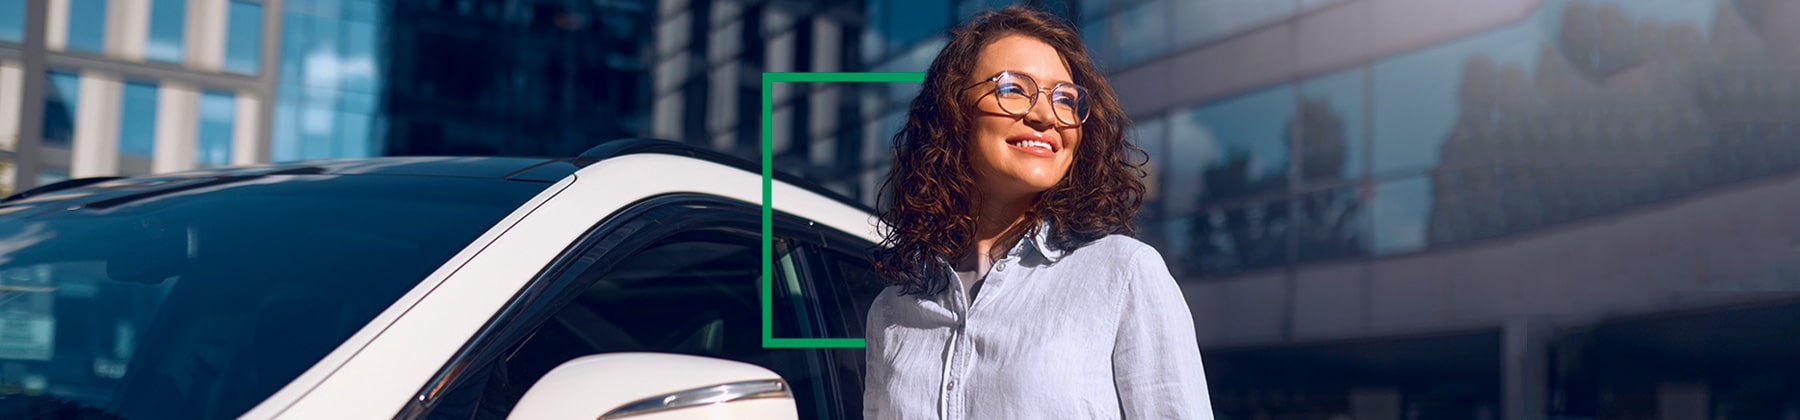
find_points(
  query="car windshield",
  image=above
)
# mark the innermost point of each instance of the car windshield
(201, 301)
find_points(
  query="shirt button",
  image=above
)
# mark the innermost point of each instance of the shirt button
(952, 385)
(1000, 266)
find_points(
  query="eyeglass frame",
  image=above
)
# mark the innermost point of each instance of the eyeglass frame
(1034, 96)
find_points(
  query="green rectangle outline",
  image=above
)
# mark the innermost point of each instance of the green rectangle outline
(769, 79)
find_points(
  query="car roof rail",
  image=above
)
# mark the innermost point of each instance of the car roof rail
(58, 186)
(638, 146)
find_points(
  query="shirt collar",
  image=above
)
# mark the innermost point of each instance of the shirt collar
(1037, 241)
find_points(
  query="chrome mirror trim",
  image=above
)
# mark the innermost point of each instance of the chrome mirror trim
(723, 393)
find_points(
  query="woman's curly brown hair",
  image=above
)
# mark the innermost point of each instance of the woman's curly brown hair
(931, 217)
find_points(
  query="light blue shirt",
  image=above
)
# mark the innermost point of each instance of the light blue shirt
(1101, 332)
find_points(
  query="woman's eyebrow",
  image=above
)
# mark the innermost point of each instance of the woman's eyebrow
(1043, 81)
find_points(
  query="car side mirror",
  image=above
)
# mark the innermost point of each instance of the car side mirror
(670, 386)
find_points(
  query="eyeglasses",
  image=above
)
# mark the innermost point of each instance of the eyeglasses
(1017, 94)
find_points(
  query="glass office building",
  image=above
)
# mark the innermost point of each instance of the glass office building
(129, 87)
(1495, 209)
(706, 87)
(115, 87)
(1399, 209)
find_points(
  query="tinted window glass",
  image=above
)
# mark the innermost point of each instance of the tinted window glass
(852, 285)
(199, 302)
(694, 293)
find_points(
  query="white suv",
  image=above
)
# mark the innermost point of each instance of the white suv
(625, 282)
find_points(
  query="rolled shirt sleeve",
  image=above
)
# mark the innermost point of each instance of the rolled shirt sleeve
(1156, 357)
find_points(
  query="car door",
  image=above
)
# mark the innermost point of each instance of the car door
(399, 362)
(679, 273)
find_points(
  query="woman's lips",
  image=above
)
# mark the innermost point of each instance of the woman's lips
(1033, 145)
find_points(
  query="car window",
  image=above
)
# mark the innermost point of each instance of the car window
(850, 283)
(692, 293)
(198, 303)
(854, 277)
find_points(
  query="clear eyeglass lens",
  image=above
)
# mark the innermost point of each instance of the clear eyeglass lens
(1070, 104)
(1017, 93)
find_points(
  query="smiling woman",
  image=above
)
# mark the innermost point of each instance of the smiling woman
(1015, 288)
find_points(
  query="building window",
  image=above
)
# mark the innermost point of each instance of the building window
(1329, 127)
(1403, 219)
(218, 112)
(87, 25)
(167, 21)
(137, 120)
(1097, 35)
(243, 39)
(897, 25)
(12, 20)
(1143, 34)
(1238, 146)
(59, 108)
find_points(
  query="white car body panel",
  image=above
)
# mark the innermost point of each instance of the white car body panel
(407, 344)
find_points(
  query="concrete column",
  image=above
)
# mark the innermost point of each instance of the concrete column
(246, 133)
(666, 119)
(827, 48)
(12, 80)
(205, 33)
(25, 166)
(1524, 369)
(177, 126)
(722, 100)
(822, 121)
(95, 149)
(127, 28)
(273, 23)
(56, 25)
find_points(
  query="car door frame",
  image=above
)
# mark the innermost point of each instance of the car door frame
(604, 246)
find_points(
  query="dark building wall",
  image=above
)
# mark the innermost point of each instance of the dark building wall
(516, 78)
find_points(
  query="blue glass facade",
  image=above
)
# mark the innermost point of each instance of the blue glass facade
(168, 22)
(1364, 149)
(1124, 33)
(87, 25)
(59, 107)
(12, 20)
(896, 25)
(243, 37)
(137, 119)
(218, 115)
(330, 79)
